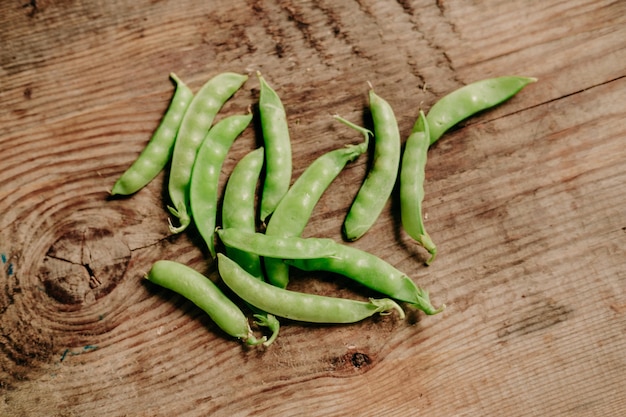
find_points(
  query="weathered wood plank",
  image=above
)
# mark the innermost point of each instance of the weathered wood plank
(525, 203)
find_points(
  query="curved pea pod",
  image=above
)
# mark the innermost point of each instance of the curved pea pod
(412, 175)
(193, 129)
(381, 177)
(238, 211)
(296, 305)
(203, 192)
(294, 210)
(358, 265)
(238, 208)
(468, 100)
(206, 295)
(372, 272)
(276, 246)
(278, 164)
(158, 151)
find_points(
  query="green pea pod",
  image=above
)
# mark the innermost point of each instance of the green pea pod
(294, 210)
(412, 174)
(378, 185)
(358, 265)
(205, 294)
(238, 209)
(194, 127)
(203, 193)
(158, 151)
(296, 305)
(372, 272)
(468, 100)
(276, 246)
(278, 164)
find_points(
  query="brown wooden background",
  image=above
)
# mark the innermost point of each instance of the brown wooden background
(526, 203)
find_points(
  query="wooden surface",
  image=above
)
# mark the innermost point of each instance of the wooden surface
(526, 203)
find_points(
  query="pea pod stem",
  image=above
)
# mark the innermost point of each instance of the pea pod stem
(365, 132)
(412, 175)
(296, 305)
(267, 320)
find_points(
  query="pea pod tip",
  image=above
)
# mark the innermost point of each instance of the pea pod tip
(432, 311)
(251, 340)
(386, 305)
(175, 78)
(178, 229)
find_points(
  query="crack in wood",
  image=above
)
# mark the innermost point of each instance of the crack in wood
(544, 313)
(83, 265)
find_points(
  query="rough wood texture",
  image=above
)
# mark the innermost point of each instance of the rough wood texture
(526, 203)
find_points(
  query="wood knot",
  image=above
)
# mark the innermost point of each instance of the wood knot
(83, 265)
(354, 360)
(359, 360)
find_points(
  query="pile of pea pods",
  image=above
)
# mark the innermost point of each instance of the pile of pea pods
(255, 265)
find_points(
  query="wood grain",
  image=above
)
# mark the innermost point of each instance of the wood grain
(524, 201)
